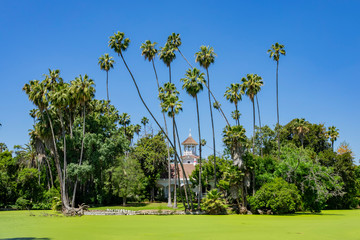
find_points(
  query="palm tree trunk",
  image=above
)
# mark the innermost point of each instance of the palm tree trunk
(277, 107)
(212, 125)
(152, 116)
(186, 197)
(107, 85)
(175, 163)
(261, 143)
(332, 144)
(64, 199)
(237, 112)
(65, 160)
(185, 58)
(50, 173)
(253, 126)
(81, 156)
(200, 172)
(167, 142)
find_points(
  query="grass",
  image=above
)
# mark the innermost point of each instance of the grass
(141, 206)
(334, 224)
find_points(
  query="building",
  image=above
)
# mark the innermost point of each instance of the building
(189, 159)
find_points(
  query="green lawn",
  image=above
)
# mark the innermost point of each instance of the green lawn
(337, 225)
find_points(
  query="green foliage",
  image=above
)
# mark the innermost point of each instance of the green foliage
(278, 195)
(23, 204)
(213, 203)
(128, 179)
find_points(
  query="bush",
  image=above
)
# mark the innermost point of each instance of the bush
(213, 203)
(278, 195)
(22, 204)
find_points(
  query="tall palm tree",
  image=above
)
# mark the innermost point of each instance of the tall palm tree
(124, 119)
(175, 41)
(301, 128)
(167, 55)
(275, 51)
(106, 63)
(144, 121)
(149, 52)
(234, 138)
(119, 43)
(251, 86)
(193, 84)
(206, 57)
(83, 89)
(333, 134)
(234, 95)
(171, 104)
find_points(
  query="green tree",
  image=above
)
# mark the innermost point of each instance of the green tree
(149, 52)
(171, 104)
(128, 179)
(333, 134)
(234, 95)
(275, 51)
(193, 84)
(106, 63)
(206, 57)
(251, 86)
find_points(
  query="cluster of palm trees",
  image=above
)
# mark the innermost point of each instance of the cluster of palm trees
(60, 102)
(194, 82)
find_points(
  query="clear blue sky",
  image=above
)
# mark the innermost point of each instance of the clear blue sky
(318, 79)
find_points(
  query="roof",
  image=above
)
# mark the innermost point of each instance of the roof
(189, 141)
(189, 168)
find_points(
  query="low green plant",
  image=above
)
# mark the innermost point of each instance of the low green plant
(23, 204)
(278, 196)
(213, 203)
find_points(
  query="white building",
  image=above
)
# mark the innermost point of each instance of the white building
(189, 160)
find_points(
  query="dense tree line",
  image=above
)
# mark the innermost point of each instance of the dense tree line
(82, 150)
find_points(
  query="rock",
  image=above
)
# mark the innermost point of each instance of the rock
(260, 212)
(243, 210)
(249, 213)
(269, 212)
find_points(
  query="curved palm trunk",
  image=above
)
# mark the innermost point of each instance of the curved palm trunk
(200, 169)
(212, 125)
(107, 85)
(167, 142)
(277, 107)
(81, 157)
(153, 117)
(65, 159)
(64, 198)
(175, 162)
(261, 140)
(185, 58)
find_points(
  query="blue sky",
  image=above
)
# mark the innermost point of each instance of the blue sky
(318, 79)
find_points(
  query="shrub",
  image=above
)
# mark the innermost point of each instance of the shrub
(22, 204)
(278, 195)
(214, 204)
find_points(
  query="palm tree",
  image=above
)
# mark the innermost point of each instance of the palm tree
(234, 95)
(251, 86)
(206, 57)
(124, 119)
(106, 63)
(193, 84)
(175, 41)
(167, 55)
(119, 43)
(83, 90)
(149, 52)
(275, 51)
(333, 134)
(144, 121)
(171, 104)
(301, 128)
(234, 138)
